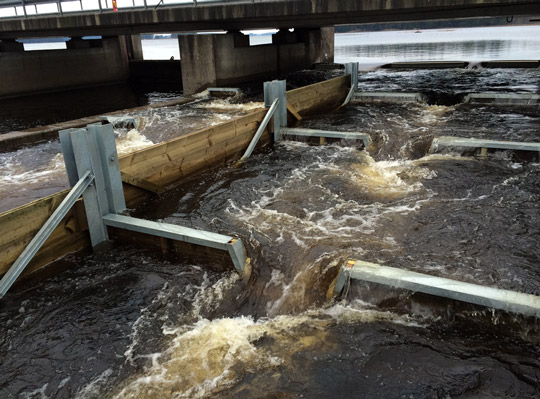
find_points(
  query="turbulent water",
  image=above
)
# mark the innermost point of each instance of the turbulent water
(125, 323)
(33, 172)
(45, 109)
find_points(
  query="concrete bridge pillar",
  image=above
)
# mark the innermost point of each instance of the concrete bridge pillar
(304, 47)
(228, 59)
(134, 47)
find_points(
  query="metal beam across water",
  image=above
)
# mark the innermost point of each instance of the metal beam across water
(185, 234)
(503, 99)
(510, 301)
(448, 142)
(364, 137)
(387, 97)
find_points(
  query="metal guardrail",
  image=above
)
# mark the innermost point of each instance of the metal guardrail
(29, 8)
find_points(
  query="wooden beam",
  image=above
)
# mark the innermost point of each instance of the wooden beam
(293, 111)
(142, 183)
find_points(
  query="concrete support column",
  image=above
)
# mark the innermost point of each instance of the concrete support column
(223, 60)
(304, 47)
(321, 45)
(198, 62)
(134, 47)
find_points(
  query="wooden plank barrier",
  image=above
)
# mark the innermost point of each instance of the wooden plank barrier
(161, 165)
(325, 95)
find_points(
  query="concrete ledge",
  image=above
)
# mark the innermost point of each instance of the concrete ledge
(495, 298)
(223, 91)
(427, 65)
(12, 141)
(387, 97)
(364, 137)
(447, 142)
(511, 64)
(502, 99)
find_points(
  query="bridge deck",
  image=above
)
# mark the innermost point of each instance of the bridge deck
(251, 14)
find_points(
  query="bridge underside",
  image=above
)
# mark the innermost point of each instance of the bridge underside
(209, 60)
(265, 14)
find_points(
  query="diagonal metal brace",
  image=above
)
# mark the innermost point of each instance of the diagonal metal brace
(31, 249)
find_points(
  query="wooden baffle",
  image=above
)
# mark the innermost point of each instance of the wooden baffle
(309, 100)
(160, 164)
(152, 169)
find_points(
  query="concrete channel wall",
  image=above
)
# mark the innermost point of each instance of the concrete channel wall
(160, 165)
(30, 72)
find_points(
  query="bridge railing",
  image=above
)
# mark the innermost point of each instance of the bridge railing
(36, 8)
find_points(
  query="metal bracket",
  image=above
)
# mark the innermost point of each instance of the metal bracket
(185, 234)
(351, 69)
(364, 137)
(94, 148)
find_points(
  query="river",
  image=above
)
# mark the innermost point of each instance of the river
(123, 323)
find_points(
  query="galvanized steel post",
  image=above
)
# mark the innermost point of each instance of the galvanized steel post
(277, 89)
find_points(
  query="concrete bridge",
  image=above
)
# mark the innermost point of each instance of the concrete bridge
(209, 59)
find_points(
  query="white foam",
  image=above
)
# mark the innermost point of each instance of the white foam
(36, 394)
(225, 104)
(93, 388)
(212, 355)
(132, 141)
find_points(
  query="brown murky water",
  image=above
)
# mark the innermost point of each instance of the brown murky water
(122, 323)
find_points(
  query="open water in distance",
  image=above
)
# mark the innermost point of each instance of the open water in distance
(123, 323)
(379, 48)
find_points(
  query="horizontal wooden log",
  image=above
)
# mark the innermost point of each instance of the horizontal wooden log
(141, 183)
